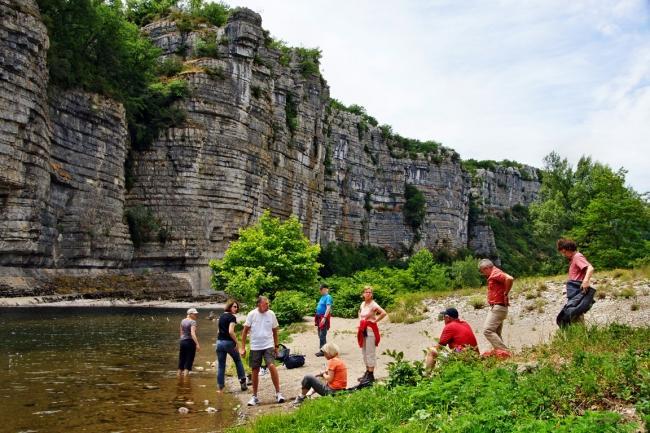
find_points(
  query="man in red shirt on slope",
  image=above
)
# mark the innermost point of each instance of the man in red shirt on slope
(457, 335)
(578, 288)
(499, 285)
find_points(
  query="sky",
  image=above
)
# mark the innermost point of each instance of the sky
(492, 79)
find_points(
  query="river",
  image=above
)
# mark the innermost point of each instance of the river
(105, 370)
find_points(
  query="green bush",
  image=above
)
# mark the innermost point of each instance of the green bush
(269, 256)
(402, 372)
(291, 306)
(207, 46)
(169, 67)
(344, 259)
(309, 61)
(415, 207)
(465, 274)
(426, 274)
(143, 225)
(346, 293)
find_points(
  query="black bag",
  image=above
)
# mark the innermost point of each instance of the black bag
(283, 352)
(294, 361)
(578, 303)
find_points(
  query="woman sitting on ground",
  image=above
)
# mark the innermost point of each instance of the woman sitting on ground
(336, 375)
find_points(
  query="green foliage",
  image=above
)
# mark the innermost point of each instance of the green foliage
(291, 113)
(470, 394)
(145, 227)
(192, 12)
(415, 207)
(591, 204)
(465, 274)
(94, 47)
(347, 294)
(426, 274)
(522, 252)
(169, 67)
(269, 256)
(308, 61)
(156, 111)
(402, 372)
(207, 46)
(344, 259)
(291, 306)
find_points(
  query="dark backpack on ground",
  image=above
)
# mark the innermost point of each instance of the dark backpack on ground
(294, 361)
(283, 352)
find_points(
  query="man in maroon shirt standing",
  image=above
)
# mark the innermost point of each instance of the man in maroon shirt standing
(499, 285)
(457, 334)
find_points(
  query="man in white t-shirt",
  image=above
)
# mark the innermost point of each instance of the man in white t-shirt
(263, 327)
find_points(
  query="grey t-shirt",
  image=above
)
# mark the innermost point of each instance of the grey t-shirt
(186, 326)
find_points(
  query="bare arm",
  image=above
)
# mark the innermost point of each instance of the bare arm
(508, 285)
(329, 376)
(231, 332)
(275, 341)
(194, 337)
(380, 314)
(244, 334)
(328, 311)
(587, 281)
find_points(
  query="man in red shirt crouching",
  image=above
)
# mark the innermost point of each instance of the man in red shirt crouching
(457, 335)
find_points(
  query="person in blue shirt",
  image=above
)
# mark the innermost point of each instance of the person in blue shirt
(322, 316)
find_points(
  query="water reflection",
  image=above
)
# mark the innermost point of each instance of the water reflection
(104, 370)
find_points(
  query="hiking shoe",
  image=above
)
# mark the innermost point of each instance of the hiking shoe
(279, 398)
(319, 353)
(254, 401)
(298, 401)
(264, 371)
(242, 384)
(363, 378)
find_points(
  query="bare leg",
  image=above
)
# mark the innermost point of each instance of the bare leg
(275, 377)
(256, 379)
(430, 360)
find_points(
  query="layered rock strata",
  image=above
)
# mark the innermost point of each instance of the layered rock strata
(259, 134)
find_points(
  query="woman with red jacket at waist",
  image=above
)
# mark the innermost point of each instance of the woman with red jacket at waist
(368, 333)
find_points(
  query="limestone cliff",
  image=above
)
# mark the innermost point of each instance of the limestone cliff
(260, 134)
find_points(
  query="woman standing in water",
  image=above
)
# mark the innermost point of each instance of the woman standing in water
(368, 333)
(227, 345)
(189, 343)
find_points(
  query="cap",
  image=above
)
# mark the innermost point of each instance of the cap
(451, 312)
(192, 311)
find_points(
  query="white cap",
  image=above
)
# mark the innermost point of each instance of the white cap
(192, 311)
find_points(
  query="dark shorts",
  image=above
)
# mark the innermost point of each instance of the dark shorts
(255, 357)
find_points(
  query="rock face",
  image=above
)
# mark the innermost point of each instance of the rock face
(260, 134)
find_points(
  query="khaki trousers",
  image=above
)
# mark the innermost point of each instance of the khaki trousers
(493, 326)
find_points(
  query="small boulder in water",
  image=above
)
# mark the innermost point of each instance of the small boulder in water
(211, 410)
(183, 410)
(199, 368)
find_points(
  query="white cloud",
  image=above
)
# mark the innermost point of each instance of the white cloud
(502, 79)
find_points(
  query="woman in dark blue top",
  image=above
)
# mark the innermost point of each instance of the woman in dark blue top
(227, 345)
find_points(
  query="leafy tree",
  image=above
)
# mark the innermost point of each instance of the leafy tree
(426, 273)
(609, 221)
(269, 256)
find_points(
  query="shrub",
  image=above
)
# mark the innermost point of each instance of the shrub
(346, 293)
(291, 306)
(344, 259)
(169, 67)
(207, 46)
(215, 13)
(415, 207)
(426, 274)
(464, 273)
(478, 302)
(291, 113)
(268, 256)
(309, 60)
(143, 225)
(401, 372)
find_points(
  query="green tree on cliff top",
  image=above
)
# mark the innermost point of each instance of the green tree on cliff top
(269, 256)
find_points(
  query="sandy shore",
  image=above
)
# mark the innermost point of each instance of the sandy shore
(524, 327)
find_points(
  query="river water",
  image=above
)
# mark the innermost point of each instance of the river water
(105, 370)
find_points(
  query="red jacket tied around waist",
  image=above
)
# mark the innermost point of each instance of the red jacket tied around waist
(363, 326)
